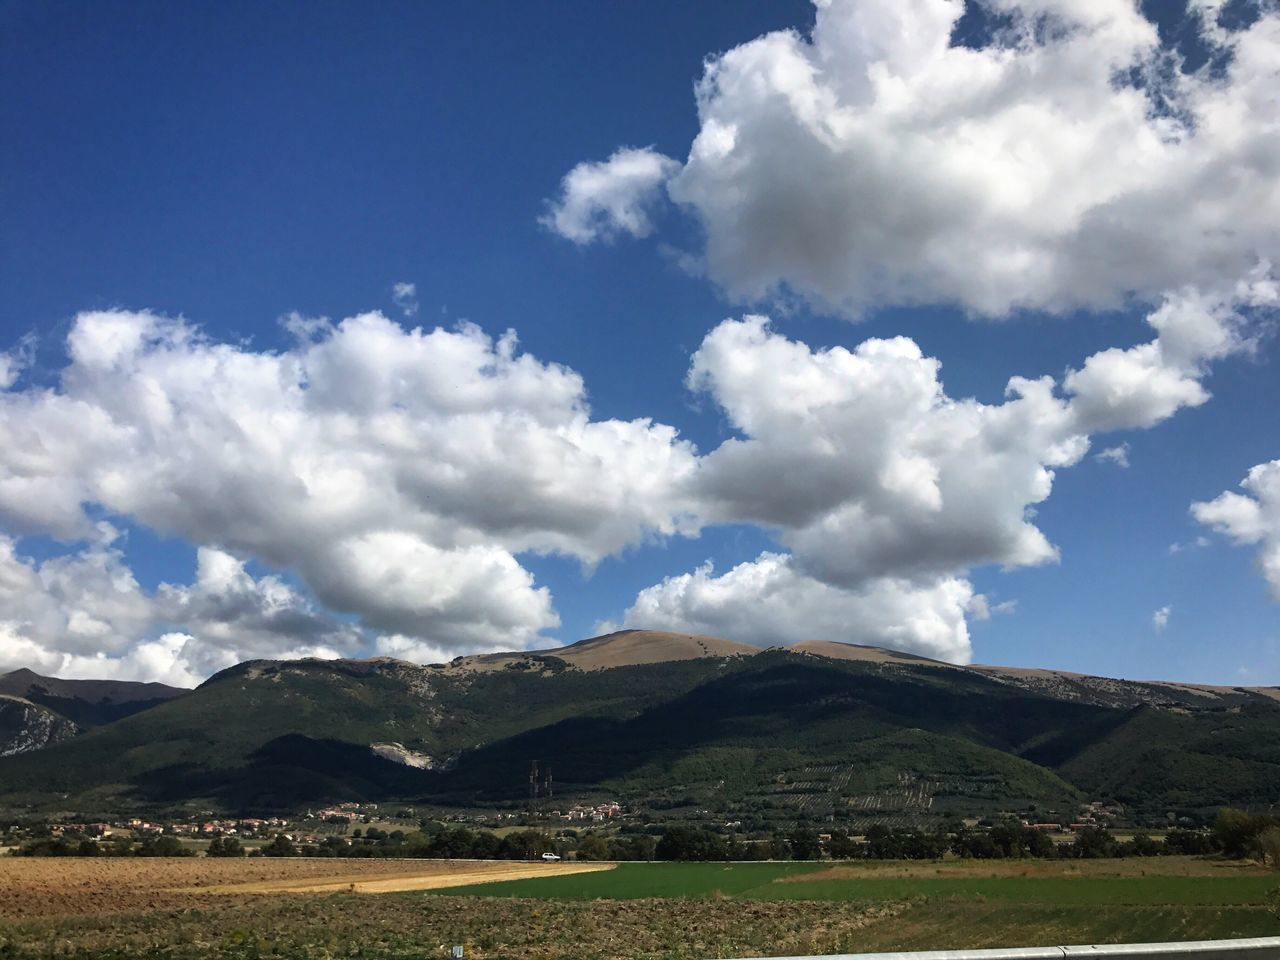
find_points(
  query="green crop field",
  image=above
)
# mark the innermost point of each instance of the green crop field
(637, 881)
(787, 881)
(1116, 891)
(952, 904)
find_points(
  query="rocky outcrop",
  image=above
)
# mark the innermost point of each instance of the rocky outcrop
(26, 726)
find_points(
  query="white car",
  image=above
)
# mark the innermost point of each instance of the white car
(549, 857)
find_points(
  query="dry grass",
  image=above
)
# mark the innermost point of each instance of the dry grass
(433, 876)
(630, 648)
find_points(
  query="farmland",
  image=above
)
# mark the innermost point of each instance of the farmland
(1121, 883)
(68, 887)
(185, 909)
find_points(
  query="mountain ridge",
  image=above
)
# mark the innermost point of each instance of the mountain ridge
(816, 729)
(634, 647)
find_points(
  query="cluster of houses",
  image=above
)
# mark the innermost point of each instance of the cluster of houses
(597, 814)
(345, 812)
(249, 827)
(1094, 814)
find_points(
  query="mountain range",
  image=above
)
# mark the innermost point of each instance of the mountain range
(672, 724)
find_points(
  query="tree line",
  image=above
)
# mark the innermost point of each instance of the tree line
(113, 847)
(1234, 833)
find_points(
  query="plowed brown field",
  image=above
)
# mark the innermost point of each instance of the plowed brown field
(48, 886)
(134, 909)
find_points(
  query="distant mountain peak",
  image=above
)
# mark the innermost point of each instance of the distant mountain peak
(19, 682)
(624, 648)
(86, 703)
(21, 675)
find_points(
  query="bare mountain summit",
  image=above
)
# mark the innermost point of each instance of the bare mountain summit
(626, 648)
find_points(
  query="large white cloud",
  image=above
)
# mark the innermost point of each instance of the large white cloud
(86, 604)
(397, 471)
(470, 597)
(888, 491)
(1252, 517)
(767, 601)
(1070, 162)
(866, 467)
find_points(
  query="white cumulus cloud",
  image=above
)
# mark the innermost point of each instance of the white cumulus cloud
(1252, 518)
(85, 615)
(598, 201)
(881, 485)
(1070, 162)
(397, 472)
(768, 601)
(1143, 385)
(863, 464)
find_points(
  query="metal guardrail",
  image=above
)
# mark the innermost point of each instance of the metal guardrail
(1254, 948)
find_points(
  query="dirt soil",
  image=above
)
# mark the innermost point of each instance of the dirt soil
(33, 887)
(126, 909)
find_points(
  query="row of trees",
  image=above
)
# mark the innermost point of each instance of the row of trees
(121, 847)
(1235, 833)
(452, 844)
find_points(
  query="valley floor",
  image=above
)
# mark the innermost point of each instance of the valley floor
(187, 909)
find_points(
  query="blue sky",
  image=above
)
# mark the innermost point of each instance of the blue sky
(231, 165)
